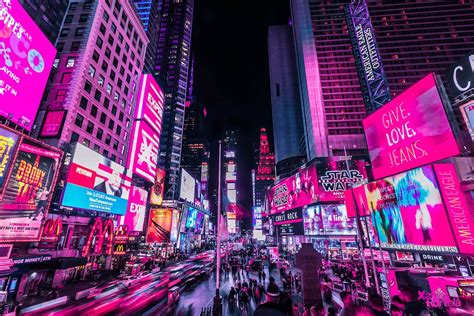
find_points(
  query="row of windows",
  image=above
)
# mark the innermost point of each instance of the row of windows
(87, 142)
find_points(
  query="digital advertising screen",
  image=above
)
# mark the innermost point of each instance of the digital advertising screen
(136, 211)
(143, 153)
(96, 183)
(52, 124)
(407, 211)
(27, 194)
(409, 131)
(289, 222)
(192, 217)
(159, 225)
(199, 223)
(187, 188)
(156, 192)
(8, 144)
(151, 103)
(313, 221)
(175, 221)
(335, 220)
(27, 59)
(184, 219)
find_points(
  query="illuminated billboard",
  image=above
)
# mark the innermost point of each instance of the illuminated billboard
(409, 131)
(8, 144)
(199, 223)
(322, 180)
(136, 211)
(192, 218)
(27, 58)
(328, 219)
(289, 222)
(407, 211)
(175, 226)
(188, 186)
(151, 103)
(27, 194)
(96, 183)
(143, 153)
(159, 225)
(52, 124)
(157, 190)
(467, 111)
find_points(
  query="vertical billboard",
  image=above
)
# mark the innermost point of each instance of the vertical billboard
(96, 183)
(26, 197)
(8, 144)
(158, 188)
(27, 58)
(368, 59)
(143, 153)
(407, 211)
(159, 225)
(136, 211)
(456, 205)
(409, 131)
(52, 124)
(151, 103)
(467, 111)
(175, 221)
(187, 187)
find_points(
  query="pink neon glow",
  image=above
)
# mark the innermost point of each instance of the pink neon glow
(143, 154)
(52, 123)
(151, 103)
(135, 216)
(456, 205)
(410, 131)
(26, 60)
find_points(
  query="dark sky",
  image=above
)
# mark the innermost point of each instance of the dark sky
(231, 72)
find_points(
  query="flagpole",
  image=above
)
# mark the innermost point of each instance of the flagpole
(217, 310)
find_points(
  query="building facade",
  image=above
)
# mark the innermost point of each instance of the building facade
(265, 173)
(286, 106)
(414, 39)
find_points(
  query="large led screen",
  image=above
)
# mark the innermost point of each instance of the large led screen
(25, 201)
(199, 223)
(8, 144)
(407, 211)
(192, 218)
(289, 222)
(26, 60)
(143, 153)
(410, 131)
(187, 188)
(96, 183)
(328, 219)
(158, 188)
(159, 225)
(151, 103)
(136, 211)
(323, 180)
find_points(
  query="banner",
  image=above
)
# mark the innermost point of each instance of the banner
(409, 131)
(143, 153)
(8, 144)
(135, 216)
(159, 225)
(156, 193)
(407, 211)
(26, 197)
(27, 59)
(96, 183)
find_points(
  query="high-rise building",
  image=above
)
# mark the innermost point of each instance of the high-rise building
(414, 38)
(93, 89)
(48, 15)
(288, 133)
(171, 62)
(265, 175)
(229, 174)
(149, 13)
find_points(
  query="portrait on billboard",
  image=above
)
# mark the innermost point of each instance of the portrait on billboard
(8, 144)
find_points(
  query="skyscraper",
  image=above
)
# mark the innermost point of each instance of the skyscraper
(96, 77)
(288, 134)
(149, 14)
(265, 175)
(171, 61)
(414, 38)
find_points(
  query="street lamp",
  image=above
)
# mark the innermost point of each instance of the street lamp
(217, 308)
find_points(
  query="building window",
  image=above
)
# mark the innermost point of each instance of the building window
(56, 63)
(90, 127)
(104, 66)
(66, 77)
(74, 137)
(116, 96)
(60, 95)
(79, 31)
(70, 62)
(109, 88)
(96, 148)
(83, 18)
(114, 110)
(115, 62)
(108, 138)
(75, 46)
(68, 19)
(103, 117)
(97, 95)
(99, 134)
(121, 116)
(111, 40)
(95, 56)
(102, 29)
(111, 124)
(86, 142)
(106, 103)
(115, 146)
(94, 111)
(88, 86)
(64, 33)
(79, 120)
(87, 5)
(83, 103)
(113, 27)
(106, 16)
(113, 157)
(99, 42)
(91, 71)
(105, 153)
(101, 80)
(112, 75)
(118, 130)
(107, 52)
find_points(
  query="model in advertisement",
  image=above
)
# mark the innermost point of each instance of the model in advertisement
(113, 185)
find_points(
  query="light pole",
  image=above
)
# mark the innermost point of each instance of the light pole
(217, 308)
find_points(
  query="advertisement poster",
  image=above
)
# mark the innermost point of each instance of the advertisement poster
(135, 216)
(289, 222)
(159, 225)
(192, 217)
(156, 194)
(407, 212)
(199, 223)
(96, 183)
(187, 187)
(143, 153)
(8, 143)
(313, 221)
(456, 205)
(27, 59)
(151, 103)
(335, 220)
(53, 123)
(26, 197)
(409, 131)
(175, 221)
(184, 219)
(467, 111)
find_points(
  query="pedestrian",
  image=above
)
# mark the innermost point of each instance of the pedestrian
(413, 306)
(348, 308)
(376, 305)
(260, 275)
(263, 275)
(296, 310)
(271, 306)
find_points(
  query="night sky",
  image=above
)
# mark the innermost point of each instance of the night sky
(231, 74)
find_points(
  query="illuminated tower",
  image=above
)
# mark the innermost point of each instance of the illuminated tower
(266, 169)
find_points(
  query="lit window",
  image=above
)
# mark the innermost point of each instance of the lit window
(91, 71)
(70, 62)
